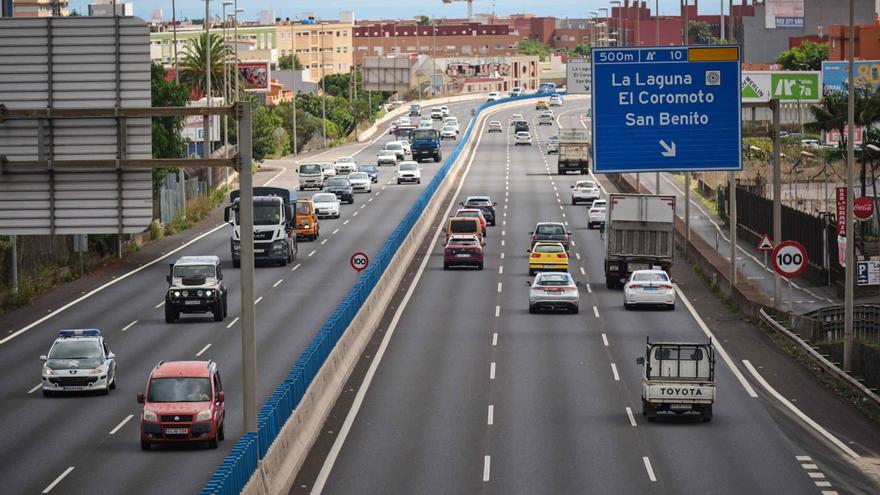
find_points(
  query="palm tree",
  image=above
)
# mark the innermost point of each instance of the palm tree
(192, 66)
(831, 114)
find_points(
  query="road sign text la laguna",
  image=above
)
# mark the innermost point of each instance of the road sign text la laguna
(765, 244)
(666, 109)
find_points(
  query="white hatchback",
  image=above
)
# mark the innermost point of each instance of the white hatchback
(584, 190)
(649, 288)
(409, 171)
(326, 205)
(596, 216)
(360, 181)
(522, 137)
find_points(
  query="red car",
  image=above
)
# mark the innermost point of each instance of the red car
(473, 213)
(463, 250)
(184, 403)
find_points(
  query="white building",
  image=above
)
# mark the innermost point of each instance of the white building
(103, 8)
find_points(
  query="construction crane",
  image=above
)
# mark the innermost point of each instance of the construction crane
(470, 6)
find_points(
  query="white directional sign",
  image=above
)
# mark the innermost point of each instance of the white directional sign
(789, 259)
(578, 76)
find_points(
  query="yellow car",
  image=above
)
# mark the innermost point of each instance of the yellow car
(547, 256)
(542, 105)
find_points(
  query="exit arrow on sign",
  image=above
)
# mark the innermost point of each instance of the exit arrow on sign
(669, 151)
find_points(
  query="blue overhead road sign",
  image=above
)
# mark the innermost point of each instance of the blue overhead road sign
(666, 109)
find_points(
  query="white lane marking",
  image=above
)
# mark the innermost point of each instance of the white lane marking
(313, 252)
(121, 424)
(370, 200)
(283, 169)
(503, 233)
(577, 255)
(324, 473)
(563, 215)
(126, 327)
(354, 214)
(232, 322)
(583, 272)
(817, 476)
(501, 269)
(276, 284)
(324, 242)
(649, 468)
(632, 419)
(258, 300)
(491, 419)
(383, 187)
(596, 311)
(717, 343)
(363, 206)
(203, 350)
(108, 284)
(572, 241)
(57, 480)
(494, 343)
(497, 311)
(614, 371)
(378, 193)
(487, 461)
(334, 232)
(791, 407)
(160, 305)
(803, 458)
(35, 388)
(492, 370)
(605, 340)
(502, 243)
(589, 289)
(345, 222)
(294, 268)
(809, 466)
(499, 286)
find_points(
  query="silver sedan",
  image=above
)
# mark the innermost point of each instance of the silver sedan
(553, 290)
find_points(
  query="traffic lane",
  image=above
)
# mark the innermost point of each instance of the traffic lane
(557, 401)
(428, 397)
(273, 328)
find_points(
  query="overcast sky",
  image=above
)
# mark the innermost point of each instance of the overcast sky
(375, 9)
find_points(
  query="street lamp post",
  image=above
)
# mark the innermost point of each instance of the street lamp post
(206, 138)
(605, 23)
(850, 235)
(174, 47)
(323, 92)
(225, 91)
(293, 84)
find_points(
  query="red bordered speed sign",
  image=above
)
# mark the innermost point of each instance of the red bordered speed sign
(359, 261)
(789, 259)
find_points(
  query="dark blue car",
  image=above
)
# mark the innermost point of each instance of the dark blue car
(341, 187)
(371, 170)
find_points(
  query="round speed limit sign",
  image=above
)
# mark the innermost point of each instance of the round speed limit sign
(360, 261)
(789, 259)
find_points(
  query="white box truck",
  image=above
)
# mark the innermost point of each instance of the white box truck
(574, 151)
(639, 235)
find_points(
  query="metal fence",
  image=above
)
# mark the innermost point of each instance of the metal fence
(235, 471)
(171, 198)
(866, 323)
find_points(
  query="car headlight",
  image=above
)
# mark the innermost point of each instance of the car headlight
(48, 371)
(203, 415)
(200, 293)
(177, 293)
(150, 416)
(209, 293)
(186, 293)
(236, 246)
(279, 245)
(100, 370)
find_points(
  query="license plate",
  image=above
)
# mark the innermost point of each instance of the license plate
(649, 289)
(74, 389)
(551, 292)
(680, 407)
(192, 303)
(462, 256)
(176, 431)
(258, 250)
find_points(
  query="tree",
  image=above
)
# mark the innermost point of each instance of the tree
(699, 31)
(424, 20)
(582, 50)
(831, 114)
(808, 56)
(289, 61)
(192, 65)
(167, 141)
(268, 142)
(532, 47)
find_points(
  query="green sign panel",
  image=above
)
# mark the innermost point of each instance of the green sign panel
(797, 86)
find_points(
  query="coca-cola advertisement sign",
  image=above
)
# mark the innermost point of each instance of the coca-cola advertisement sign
(863, 208)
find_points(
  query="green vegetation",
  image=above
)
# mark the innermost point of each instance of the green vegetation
(424, 20)
(289, 61)
(531, 47)
(192, 65)
(699, 32)
(167, 141)
(808, 56)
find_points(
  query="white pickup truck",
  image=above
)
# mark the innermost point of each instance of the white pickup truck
(678, 378)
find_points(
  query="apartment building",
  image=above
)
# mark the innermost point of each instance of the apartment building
(256, 43)
(324, 47)
(39, 8)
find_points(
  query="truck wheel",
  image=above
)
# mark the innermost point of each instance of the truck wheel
(609, 284)
(145, 445)
(225, 307)
(236, 264)
(170, 313)
(706, 415)
(651, 413)
(218, 311)
(644, 407)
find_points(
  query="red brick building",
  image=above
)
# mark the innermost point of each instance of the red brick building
(867, 42)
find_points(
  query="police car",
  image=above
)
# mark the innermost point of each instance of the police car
(79, 361)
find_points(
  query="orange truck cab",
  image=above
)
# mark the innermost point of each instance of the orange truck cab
(306, 220)
(464, 226)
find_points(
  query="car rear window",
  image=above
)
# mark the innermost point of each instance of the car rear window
(462, 242)
(650, 277)
(550, 230)
(585, 184)
(549, 248)
(338, 181)
(462, 226)
(555, 279)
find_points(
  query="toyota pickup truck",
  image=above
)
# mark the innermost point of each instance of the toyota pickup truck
(678, 378)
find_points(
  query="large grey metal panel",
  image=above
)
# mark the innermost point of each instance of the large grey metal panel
(82, 74)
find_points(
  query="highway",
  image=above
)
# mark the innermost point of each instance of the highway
(475, 395)
(90, 444)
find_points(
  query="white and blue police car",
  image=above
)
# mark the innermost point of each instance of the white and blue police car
(79, 361)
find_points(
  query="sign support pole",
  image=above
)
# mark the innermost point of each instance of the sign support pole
(777, 195)
(248, 310)
(849, 270)
(657, 182)
(731, 185)
(13, 269)
(687, 211)
(765, 261)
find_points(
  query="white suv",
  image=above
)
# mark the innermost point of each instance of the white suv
(409, 172)
(345, 165)
(522, 137)
(584, 190)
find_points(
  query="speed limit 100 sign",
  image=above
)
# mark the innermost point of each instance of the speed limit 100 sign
(359, 261)
(789, 259)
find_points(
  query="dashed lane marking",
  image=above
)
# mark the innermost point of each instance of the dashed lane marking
(294, 268)
(312, 253)
(324, 242)
(276, 284)
(58, 480)
(126, 327)
(160, 305)
(596, 311)
(35, 388)
(492, 370)
(494, 339)
(497, 311)
(614, 372)
(487, 462)
(632, 419)
(589, 289)
(122, 423)
(583, 272)
(605, 340)
(334, 232)
(499, 286)
(231, 323)
(649, 469)
(258, 300)
(490, 420)
(203, 350)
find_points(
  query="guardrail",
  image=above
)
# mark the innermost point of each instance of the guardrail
(827, 366)
(239, 465)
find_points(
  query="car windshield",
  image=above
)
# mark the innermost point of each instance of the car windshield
(522, 134)
(327, 166)
(345, 159)
(310, 169)
(180, 389)
(550, 230)
(650, 277)
(303, 208)
(386, 153)
(193, 271)
(424, 134)
(359, 176)
(478, 202)
(462, 226)
(367, 168)
(549, 248)
(76, 349)
(555, 279)
(407, 166)
(324, 198)
(263, 215)
(448, 128)
(337, 181)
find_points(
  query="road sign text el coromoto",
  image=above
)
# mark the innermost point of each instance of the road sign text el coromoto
(666, 109)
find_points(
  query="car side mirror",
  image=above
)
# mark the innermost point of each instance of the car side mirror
(494, 203)
(640, 361)
(572, 186)
(568, 233)
(461, 204)
(168, 278)
(579, 283)
(531, 233)
(528, 283)
(221, 397)
(44, 357)
(288, 213)
(226, 214)
(111, 356)
(528, 251)
(140, 398)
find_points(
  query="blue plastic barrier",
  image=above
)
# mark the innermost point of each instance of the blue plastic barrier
(240, 464)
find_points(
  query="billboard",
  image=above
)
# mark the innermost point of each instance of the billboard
(786, 86)
(255, 76)
(835, 75)
(577, 76)
(784, 14)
